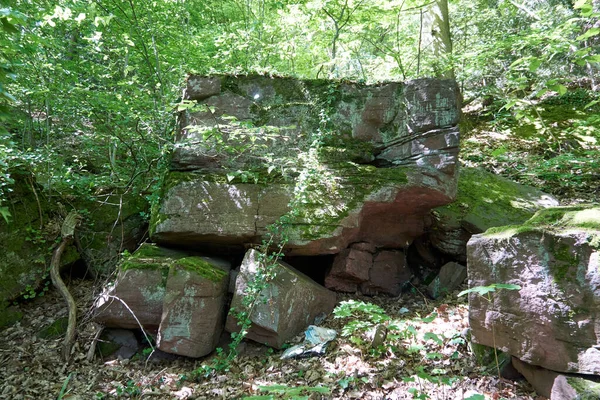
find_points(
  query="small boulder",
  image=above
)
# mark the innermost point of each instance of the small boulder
(451, 275)
(350, 268)
(554, 319)
(119, 343)
(556, 386)
(388, 274)
(289, 303)
(194, 307)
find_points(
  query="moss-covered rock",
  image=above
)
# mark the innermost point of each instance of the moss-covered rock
(552, 320)
(483, 200)
(557, 219)
(27, 240)
(137, 295)
(347, 156)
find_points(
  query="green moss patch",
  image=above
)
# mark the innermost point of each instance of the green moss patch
(9, 316)
(151, 256)
(585, 388)
(558, 219)
(201, 267)
(486, 200)
(55, 330)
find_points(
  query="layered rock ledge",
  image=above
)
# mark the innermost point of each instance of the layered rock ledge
(371, 161)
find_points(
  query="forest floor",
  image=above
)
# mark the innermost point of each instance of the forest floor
(427, 357)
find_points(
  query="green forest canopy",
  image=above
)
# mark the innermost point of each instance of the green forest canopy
(88, 89)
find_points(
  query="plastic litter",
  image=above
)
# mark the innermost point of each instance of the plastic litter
(315, 343)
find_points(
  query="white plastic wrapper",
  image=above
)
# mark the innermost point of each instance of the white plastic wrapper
(315, 343)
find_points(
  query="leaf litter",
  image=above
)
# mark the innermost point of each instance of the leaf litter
(423, 355)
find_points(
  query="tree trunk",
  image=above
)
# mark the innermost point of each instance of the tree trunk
(441, 39)
(68, 230)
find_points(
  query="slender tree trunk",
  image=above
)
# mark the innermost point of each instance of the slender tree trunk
(441, 39)
(67, 232)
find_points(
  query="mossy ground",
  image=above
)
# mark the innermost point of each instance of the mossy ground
(485, 200)
(55, 330)
(558, 219)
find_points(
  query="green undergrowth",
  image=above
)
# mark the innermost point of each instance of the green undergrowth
(552, 144)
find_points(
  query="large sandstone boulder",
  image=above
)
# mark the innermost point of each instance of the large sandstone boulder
(178, 296)
(136, 297)
(386, 155)
(286, 306)
(484, 200)
(553, 321)
(193, 312)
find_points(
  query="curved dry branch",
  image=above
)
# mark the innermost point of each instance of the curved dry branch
(67, 233)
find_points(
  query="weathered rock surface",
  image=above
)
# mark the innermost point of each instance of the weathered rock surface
(483, 200)
(287, 306)
(553, 321)
(557, 386)
(194, 308)
(350, 269)
(388, 274)
(169, 292)
(390, 159)
(136, 297)
(451, 275)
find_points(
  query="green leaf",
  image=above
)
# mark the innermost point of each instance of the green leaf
(434, 355)
(7, 26)
(480, 290)
(429, 318)
(475, 397)
(594, 58)
(434, 337)
(561, 89)
(534, 64)
(589, 33)
(5, 214)
(499, 151)
(483, 290)
(507, 286)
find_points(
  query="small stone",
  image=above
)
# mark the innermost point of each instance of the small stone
(451, 275)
